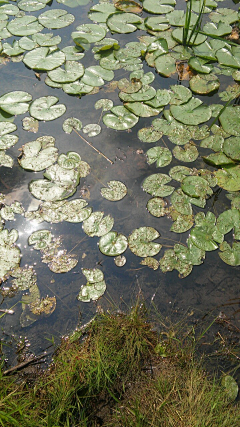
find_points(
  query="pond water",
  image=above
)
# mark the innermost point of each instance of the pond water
(209, 286)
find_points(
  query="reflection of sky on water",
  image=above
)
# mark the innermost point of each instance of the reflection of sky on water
(208, 286)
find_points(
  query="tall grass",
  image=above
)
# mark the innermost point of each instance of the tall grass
(190, 33)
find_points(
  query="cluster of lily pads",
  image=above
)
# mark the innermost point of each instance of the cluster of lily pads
(208, 54)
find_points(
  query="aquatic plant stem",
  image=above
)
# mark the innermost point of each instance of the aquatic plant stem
(89, 143)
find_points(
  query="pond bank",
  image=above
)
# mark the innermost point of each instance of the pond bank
(119, 371)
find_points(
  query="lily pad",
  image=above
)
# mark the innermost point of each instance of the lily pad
(149, 135)
(157, 207)
(191, 254)
(104, 104)
(88, 33)
(24, 26)
(161, 155)
(204, 235)
(92, 129)
(56, 18)
(204, 84)
(113, 244)
(98, 225)
(224, 15)
(188, 153)
(116, 191)
(95, 75)
(181, 202)
(229, 178)
(150, 262)
(120, 118)
(230, 255)
(165, 65)
(123, 22)
(228, 220)
(179, 95)
(159, 6)
(196, 186)
(16, 102)
(62, 263)
(141, 242)
(73, 71)
(40, 239)
(231, 147)
(95, 286)
(45, 108)
(6, 140)
(5, 160)
(156, 185)
(72, 123)
(42, 58)
(191, 113)
(230, 120)
(32, 5)
(170, 262)
(231, 386)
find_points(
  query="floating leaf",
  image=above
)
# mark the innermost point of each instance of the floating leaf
(40, 239)
(214, 142)
(113, 244)
(100, 12)
(46, 190)
(191, 254)
(180, 172)
(92, 129)
(194, 39)
(10, 255)
(42, 58)
(141, 242)
(230, 255)
(5, 160)
(56, 18)
(159, 6)
(95, 75)
(196, 186)
(231, 147)
(30, 124)
(204, 235)
(38, 155)
(95, 286)
(7, 141)
(15, 102)
(72, 123)
(182, 223)
(150, 262)
(191, 113)
(155, 185)
(73, 71)
(88, 33)
(45, 108)
(128, 6)
(231, 386)
(157, 207)
(149, 135)
(229, 178)
(181, 202)
(98, 225)
(225, 15)
(217, 29)
(62, 263)
(188, 153)
(120, 260)
(24, 26)
(120, 119)
(162, 156)
(228, 220)
(116, 191)
(123, 23)
(179, 95)
(105, 104)
(170, 262)
(165, 65)
(230, 120)
(204, 84)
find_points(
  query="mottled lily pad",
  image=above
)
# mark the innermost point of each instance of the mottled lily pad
(38, 155)
(150, 262)
(229, 178)
(161, 155)
(72, 123)
(230, 255)
(188, 153)
(204, 84)
(156, 185)
(113, 244)
(41, 239)
(157, 207)
(141, 242)
(98, 225)
(120, 119)
(95, 286)
(92, 129)
(45, 108)
(116, 191)
(196, 186)
(191, 113)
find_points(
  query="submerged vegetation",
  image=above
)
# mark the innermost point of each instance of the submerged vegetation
(119, 371)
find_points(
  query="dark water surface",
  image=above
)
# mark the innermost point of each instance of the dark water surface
(208, 286)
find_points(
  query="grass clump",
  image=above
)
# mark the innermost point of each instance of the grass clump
(119, 372)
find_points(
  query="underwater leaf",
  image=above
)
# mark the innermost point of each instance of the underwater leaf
(62, 263)
(45, 108)
(92, 129)
(30, 124)
(155, 185)
(93, 274)
(72, 123)
(170, 262)
(161, 155)
(204, 84)
(141, 242)
(116, 191)
(98, 225)
(188, 153)
(56, 18)
(120, 118)
(150, 262)
(231, 386)
(230, 255)
(191, 113)
(113, 244)
(43, 59)
(15, 102)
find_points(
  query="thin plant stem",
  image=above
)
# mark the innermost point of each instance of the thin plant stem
(94, 148)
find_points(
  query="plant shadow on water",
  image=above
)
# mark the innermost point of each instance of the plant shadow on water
(209, 286)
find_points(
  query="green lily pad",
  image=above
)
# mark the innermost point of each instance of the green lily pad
(45, 108)
(92, 291)
(229, 178)
(161, 99)
(123, 22)
(191, 113)
(205, 51)
(224, 15)
(150, 262)
(72, 123)
(100, 12)
(159, 6)
(92, 129)
(149, 135)
(6, 140)
(56, 18)
(95, 75)
(204, 84)
(182, 223)
(180, 172)
(156, 185)
(202, 234)
(42, 58)
(157, 207)
(231, 92)
(235, 200)
(230, 120)
(141, 109)
(141, 242)
(179, 95)
(104, 104)
(157, 23)
(93, 274)
(15, 102)
(73, 53)
(217, 159)
(200, 65)
(38, 155)
(97, 224)
(196, 186)
(188, 153)
(32, 5)
(88, 33)
(73, 3)
(214, 142)
(116, 191)
(226, 57)
(165, 65)
(231, 386)
(162, 156)
(194, 39)
(46, 190)
(24, 26)
(217, 29)
(5, 160)
(10, 257)
(77, 88)
(146, 93)
(120, 119)
(113, 244)
(170, 262)
(12, 50)
(73, 71)
(231, 147)
(181, 202)
(228, 220)
(191, 254)
(40, 239)
(230, 255)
